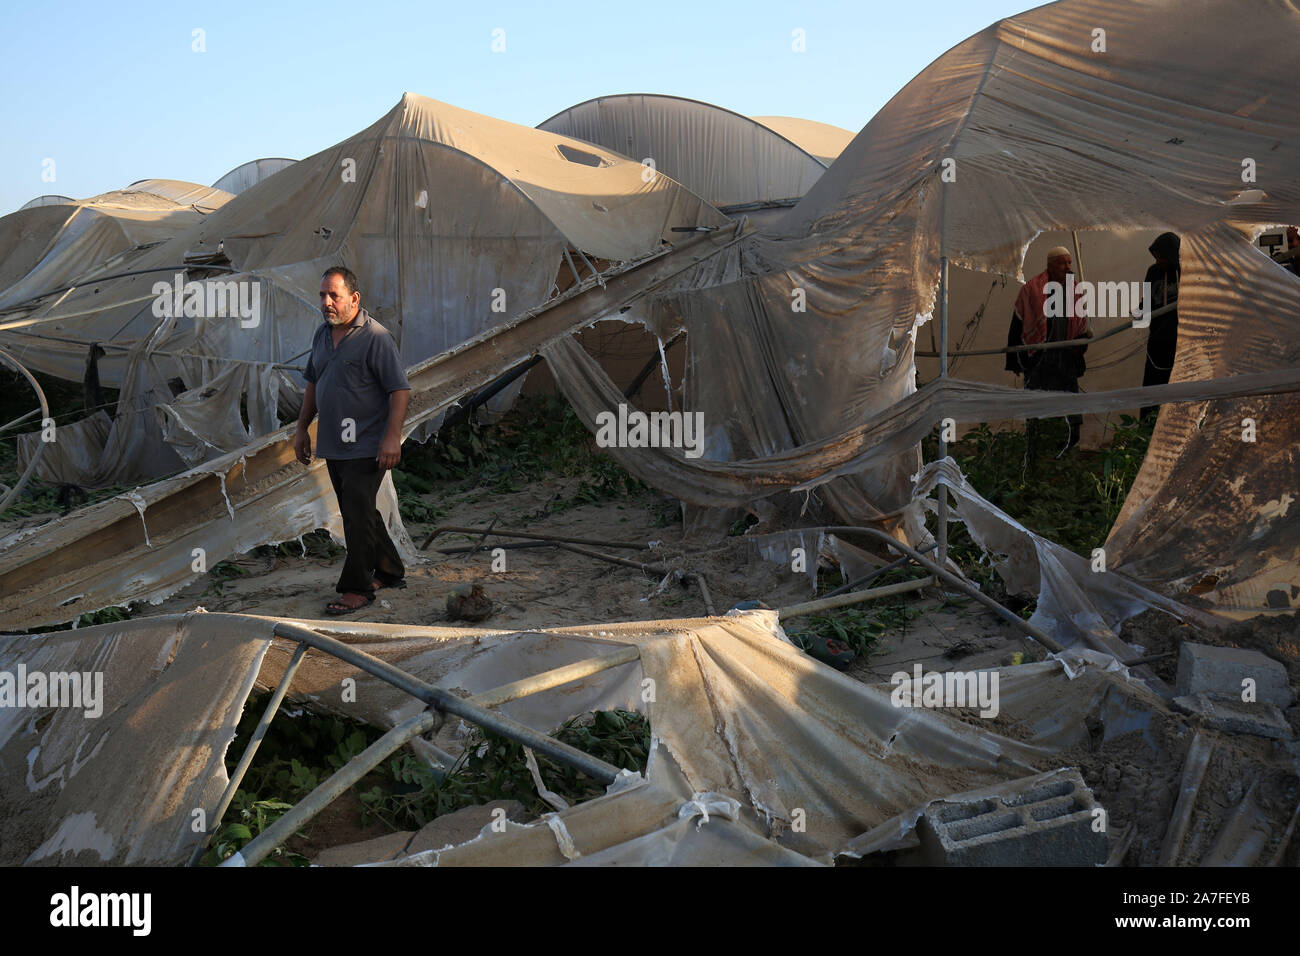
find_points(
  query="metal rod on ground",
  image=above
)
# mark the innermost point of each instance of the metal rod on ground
(955, 581)
(613, 559)
(456, 529)
(1120, 850)
(446, 701)
(846, 588)
(479, 543)
(556, 677)
(1198, 758)
(856, 597)
(504, 546)
(330, 790)
(704, 593)
(941, 519)
(250, 751)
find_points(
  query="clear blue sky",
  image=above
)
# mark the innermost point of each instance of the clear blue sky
(114, 93)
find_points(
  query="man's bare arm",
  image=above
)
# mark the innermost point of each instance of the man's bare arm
(301, 439)
(390, 449)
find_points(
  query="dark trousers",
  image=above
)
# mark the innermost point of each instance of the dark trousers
(1060, 384)
(371, 553)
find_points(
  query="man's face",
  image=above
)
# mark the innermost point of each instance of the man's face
(1058, 268)
(337, 305)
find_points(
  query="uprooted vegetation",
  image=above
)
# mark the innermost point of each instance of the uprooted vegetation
(302, 749)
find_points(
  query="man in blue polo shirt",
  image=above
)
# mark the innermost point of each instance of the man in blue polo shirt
(356, 381)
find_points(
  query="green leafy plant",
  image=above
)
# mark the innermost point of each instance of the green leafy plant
(1120, 462)
(540, 437)
(494, 768)
(299, 752)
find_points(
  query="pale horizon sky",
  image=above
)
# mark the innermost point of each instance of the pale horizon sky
(118, 94)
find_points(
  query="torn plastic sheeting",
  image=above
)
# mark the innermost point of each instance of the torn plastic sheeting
(722, 807)
(265, 480)
(737, 712)
(102, 555)
(1075, 604)
(122, 788)
(890, 431)
(552, 798)
(865, 247)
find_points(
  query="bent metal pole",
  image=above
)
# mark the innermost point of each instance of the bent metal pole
(444, 701)
(955, 581)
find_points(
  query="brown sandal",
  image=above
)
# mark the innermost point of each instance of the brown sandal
(337, 608)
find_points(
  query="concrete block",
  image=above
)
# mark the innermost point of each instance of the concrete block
(1048, 822)
(1235, 717)
(1218, 672)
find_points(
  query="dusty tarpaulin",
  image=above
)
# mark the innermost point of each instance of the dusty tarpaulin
(455, 223)
(736, 710)
(759, 754)
(251, 173)
(44, 249)
(822, 140)
(119, 786)
(809, 328)
(1213, 510)
(727, 158)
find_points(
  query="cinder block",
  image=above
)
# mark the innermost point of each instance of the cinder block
(1047, 823)
(1235, 717)
(1218, 672)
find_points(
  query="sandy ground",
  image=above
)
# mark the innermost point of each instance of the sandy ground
(538, 587)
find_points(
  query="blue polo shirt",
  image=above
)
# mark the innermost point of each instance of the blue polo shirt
(353, 385)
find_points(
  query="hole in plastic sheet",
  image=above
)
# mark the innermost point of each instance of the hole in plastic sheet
(580, 156)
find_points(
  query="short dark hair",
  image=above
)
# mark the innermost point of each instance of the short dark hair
(347, 275)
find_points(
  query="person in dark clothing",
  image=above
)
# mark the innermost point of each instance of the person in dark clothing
(1056, 370)
(1290, 258)
(356, 375)
(1162, 339)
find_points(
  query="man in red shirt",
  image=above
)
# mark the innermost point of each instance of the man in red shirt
(1046, 312)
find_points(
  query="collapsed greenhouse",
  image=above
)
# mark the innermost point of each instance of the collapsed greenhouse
(489, 249)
